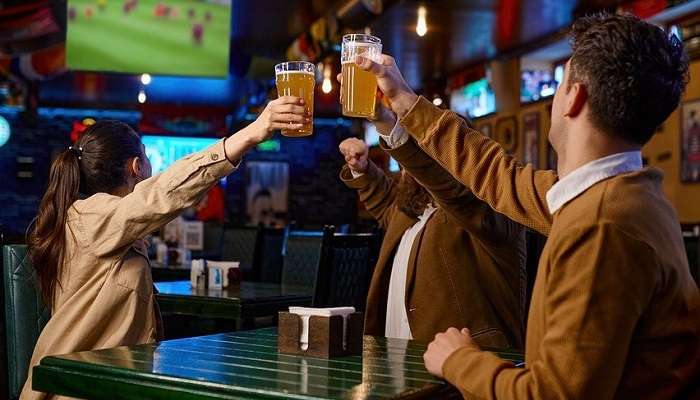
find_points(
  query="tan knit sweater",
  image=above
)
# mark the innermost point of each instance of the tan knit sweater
(615, 312)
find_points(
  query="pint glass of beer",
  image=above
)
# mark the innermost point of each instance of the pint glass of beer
(359, 87)
(297, 78)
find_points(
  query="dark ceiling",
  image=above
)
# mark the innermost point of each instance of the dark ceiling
(460, 32)
(267, 27)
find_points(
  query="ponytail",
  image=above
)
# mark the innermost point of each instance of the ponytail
(47, 235)
(95, 164)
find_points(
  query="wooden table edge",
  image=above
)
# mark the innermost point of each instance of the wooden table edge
(73, 378)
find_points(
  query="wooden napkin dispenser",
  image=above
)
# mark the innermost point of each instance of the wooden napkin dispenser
(325, 335)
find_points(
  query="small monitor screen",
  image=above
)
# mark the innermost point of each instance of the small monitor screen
(162, 151)
(475, 99)
(538, 84)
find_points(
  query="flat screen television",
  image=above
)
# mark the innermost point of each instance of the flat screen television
(162, 151)
(475, 99)
(536, 84)
(172, 37)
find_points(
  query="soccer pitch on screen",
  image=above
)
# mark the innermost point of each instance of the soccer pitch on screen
(173, 37)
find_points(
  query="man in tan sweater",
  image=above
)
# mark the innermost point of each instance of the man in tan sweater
(615, 312)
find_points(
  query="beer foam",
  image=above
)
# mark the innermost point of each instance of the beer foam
(373, 58)
(295, 72)
(353, 49)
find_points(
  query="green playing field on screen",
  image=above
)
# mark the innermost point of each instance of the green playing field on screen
(174, 37)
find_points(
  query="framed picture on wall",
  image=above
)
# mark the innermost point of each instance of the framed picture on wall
(690, 142)
(531, 138)
(507, 133)
(267, 192)
(485, 128)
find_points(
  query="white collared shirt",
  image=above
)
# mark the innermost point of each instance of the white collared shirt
(582, 178)
(396, 324)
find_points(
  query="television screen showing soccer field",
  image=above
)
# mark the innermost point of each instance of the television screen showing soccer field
(163, 151)
(163, 37)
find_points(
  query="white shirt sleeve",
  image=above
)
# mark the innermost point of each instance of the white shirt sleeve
(356, 174)
(397, 137)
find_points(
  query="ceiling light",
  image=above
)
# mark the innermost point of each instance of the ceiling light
(422, 25)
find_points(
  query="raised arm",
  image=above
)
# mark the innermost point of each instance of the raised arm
(473, 159)
(376, 190)
(155, 201)
(474, 215)
(482, 165)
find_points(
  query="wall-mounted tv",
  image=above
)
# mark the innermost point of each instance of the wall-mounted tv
(162, 151)
(536, 84)
(163, 37)
(474, 99)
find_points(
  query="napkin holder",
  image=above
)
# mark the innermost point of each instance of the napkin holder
(325, 335)
(206, 274)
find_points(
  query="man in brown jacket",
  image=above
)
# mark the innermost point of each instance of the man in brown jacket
(443, 262)
(615, 312)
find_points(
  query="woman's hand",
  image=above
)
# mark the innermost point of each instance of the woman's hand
(286, 112)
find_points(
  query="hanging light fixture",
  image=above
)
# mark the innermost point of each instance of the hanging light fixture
(142, 96)
(422, 25)
(327, 85)
(145, 79)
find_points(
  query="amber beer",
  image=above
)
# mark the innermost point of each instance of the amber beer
(359, 87)
(297, 78)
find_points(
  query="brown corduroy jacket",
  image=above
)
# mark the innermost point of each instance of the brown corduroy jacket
(465, 267)
(615, 312)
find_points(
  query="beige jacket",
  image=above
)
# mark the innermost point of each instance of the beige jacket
(614, 311)
(106, 297)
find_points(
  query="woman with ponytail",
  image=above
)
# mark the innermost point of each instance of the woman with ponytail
(101, 201)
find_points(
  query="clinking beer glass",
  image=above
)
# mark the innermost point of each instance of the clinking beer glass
(359, 87)
(297, 78)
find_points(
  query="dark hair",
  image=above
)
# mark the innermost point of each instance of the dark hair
(411, 197)
(96, 163)
(634, 73)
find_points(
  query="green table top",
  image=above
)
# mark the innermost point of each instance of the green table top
(247, 300)
(242, 365)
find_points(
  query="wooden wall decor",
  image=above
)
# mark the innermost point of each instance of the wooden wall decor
(531, 138)
(486, 128)
(690, 141)
(507, 133)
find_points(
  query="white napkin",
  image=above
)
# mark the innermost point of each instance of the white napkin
(306, 312)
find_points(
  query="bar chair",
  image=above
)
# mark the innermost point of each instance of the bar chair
(25, 314)
(345, 270)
